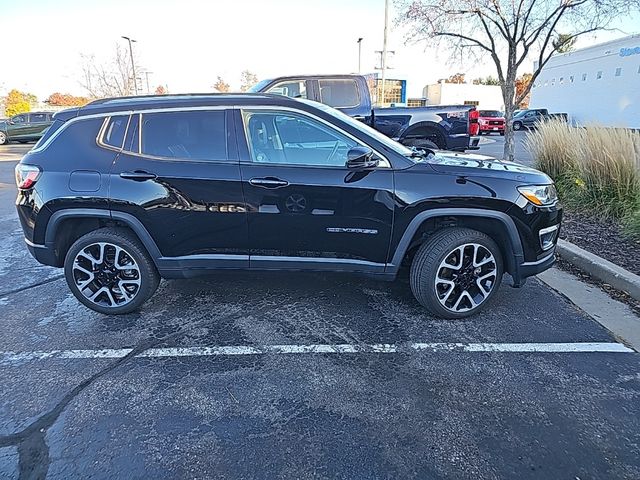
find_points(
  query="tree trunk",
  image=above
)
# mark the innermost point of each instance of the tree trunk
(508, 95)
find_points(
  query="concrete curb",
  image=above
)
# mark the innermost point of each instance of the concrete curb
(613, 315)
(602, 269)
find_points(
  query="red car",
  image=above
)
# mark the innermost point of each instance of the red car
(491, 121)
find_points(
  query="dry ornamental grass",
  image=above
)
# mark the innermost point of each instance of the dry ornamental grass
(596, 169)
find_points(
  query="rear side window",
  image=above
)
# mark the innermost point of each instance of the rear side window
(339, 93)
(114, 132)
(38, 117)
(193, 135)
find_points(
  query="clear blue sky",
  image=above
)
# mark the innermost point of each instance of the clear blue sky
(188, 43)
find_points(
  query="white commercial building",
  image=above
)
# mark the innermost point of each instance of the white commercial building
(598, 84)
(485, 97)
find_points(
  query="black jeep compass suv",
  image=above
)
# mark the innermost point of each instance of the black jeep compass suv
(124, 191)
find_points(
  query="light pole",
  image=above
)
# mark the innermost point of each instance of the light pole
(359, 55)
(133, 64)
(384, 48)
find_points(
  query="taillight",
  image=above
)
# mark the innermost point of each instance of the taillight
(26, 176)
(473, 116)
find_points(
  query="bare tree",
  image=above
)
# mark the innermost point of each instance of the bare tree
(247, 80)
(113, 78)
(510, 32)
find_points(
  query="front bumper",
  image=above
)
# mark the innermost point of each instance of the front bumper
(529, 269)
(492, 128)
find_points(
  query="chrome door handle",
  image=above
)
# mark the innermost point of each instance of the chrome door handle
(268, 182)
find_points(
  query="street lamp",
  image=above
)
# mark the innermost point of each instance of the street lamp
(133, 64)
(360, 55)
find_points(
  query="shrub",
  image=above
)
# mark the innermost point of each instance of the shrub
(595, 169)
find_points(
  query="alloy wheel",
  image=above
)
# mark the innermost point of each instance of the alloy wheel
(106, 274)
(465, 277)
(3, 138)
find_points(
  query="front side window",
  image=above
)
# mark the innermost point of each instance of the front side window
(292, 139)
(114, 132)
(339, 93)
(191, 135)
(19, 119)
(293, 89)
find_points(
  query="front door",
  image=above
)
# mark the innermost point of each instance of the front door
(180, 177)
(305, 208)
(18, 127)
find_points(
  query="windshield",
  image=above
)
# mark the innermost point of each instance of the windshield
(490, 113)
(386, 141)
(259, 86)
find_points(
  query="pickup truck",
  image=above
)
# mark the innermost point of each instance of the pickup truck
(530, 117)
(444, 127)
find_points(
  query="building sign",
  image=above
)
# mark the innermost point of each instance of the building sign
(625, 52)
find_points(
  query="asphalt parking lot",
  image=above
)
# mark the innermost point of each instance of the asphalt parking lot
(493, 145)
(303, 376)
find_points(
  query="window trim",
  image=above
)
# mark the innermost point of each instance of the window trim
(384, 163)
(103, 131)
(352, 80)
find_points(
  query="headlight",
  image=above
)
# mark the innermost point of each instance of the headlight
(541, 195)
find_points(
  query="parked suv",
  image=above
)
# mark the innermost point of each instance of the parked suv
(124, 191)
(24, 127)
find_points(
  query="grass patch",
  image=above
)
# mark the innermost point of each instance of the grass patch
(596, 169)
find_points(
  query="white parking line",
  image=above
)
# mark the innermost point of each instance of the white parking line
(589, 347)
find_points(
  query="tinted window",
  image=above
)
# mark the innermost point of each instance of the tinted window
(287, 138)
(49, 132)
(197, 135)
(114, 133)
(293, 89)
(19, 119)
(38, 118)
(490, 113)
(339, 93)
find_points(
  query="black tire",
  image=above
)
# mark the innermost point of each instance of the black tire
(428, 258)
(418, 143)
(517, 126)
(123, 238)
(502, 133)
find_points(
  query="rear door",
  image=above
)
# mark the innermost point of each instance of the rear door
(305, 208)
(39, 122)
(179, 175)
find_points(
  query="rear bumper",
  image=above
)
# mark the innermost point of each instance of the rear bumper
(474, 143)
(492, 128)
(42, 253)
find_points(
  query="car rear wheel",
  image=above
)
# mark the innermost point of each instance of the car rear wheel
(456, 272)
(3, 138)
(109, 271)
(428, 144)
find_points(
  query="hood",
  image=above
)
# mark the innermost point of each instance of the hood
(471, 164)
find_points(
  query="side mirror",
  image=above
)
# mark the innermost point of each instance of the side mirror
(360, 158)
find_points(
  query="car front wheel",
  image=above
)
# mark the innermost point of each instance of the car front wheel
(109, 271)
(517, 125)
(3, 138)
(456, 272)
